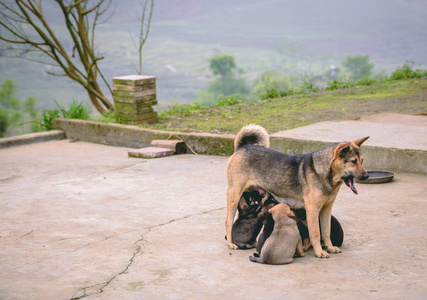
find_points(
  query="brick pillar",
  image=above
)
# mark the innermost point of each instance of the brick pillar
(134, 96)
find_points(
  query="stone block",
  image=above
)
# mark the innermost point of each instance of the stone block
(146, 99)
(134, 88)
(150, 152)
(177, 146)
(134, 80)
(137, 118)
(131, 109)
(135, 96)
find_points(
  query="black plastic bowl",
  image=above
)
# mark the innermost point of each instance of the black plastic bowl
(378, 177)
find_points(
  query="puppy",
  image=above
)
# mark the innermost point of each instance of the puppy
(337, 233)
(284, 241)
(268, 221)
(248, 225)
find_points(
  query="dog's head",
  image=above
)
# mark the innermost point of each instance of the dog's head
(348, 163)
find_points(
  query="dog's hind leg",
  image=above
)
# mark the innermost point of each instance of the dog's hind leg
(233, 197)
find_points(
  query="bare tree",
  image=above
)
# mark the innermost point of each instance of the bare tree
(143, 34)
(27, 33)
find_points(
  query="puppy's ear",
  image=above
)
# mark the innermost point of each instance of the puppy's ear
(359, 142)
(342, 149)
(290, 214)
(271, 210)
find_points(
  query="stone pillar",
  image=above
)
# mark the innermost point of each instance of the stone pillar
(134, 96)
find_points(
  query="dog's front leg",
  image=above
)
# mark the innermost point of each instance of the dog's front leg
(233, 198)
(325, 223)
(314, 230)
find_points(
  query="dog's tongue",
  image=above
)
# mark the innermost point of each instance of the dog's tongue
(349, 181)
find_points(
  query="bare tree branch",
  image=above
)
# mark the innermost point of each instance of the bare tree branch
(143, 36)
(27, 32)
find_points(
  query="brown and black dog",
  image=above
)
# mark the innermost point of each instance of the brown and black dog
(309, 181)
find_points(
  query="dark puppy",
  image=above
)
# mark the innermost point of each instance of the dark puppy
(247, 226)
(337, 233)
(268, 221)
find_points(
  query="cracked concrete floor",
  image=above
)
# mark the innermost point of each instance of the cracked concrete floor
(81, 220)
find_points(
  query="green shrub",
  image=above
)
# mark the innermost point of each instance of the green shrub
(229, 86)
(47, 118)
(271, 85)
(339, 84)
(229, 100)
(308, 85)
(75, 111)
(366, 81)
(406, 71)
(109, 117)
(180, 109)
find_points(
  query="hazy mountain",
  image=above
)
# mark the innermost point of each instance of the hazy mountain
(290, 36)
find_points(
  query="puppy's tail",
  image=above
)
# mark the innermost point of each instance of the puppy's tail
(255, 259)
(252, 134)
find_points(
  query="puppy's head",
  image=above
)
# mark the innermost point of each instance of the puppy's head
(281, 212)
(249, 203)
(348, 163)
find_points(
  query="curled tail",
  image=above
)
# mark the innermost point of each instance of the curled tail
(252, 134)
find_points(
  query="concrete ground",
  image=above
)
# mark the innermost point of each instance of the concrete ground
(389, 130)
(84, 220)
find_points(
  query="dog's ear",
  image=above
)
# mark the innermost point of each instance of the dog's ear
(342, 149)
(359, 142)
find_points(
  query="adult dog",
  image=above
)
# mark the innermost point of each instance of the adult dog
(309, 181)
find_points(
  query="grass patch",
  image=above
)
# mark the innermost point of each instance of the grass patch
(401, 96)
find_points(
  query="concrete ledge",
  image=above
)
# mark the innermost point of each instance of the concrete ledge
(137, 137)
(31, 138)
(376, 158)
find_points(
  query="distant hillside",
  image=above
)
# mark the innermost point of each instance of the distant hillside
(305, 36)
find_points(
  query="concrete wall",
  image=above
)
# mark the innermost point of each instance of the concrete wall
(376, 158)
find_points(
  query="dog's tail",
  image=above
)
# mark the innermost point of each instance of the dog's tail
(252, 134)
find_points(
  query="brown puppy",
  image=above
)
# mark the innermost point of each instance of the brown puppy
(309, 180)
(280, 247)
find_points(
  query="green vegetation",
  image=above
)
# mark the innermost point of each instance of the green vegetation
(75, 111)
(282, 105)
(109, 117)
(402, 96)
(227, 83)
(358, 66)
(13, 113)
(222, 65)
(406, 71)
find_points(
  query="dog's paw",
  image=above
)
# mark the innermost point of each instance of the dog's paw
(232, 246)
(334, 249)
(322, 254)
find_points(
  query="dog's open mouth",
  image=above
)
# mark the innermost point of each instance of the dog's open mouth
(349, 181)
